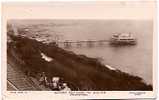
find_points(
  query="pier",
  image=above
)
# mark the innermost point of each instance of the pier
(70, 43)
(86, 43)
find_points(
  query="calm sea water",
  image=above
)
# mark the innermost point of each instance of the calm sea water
(136, 60)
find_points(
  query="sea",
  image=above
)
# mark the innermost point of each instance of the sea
(135, 60)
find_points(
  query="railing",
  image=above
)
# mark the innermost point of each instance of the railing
(12, 85)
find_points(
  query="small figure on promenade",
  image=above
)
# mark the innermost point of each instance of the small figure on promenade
(43, 79)
(55, 83)
(65, 87)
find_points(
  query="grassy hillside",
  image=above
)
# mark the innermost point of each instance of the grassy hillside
(83, 72)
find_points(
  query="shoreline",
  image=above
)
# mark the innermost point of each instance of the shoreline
(84, 72)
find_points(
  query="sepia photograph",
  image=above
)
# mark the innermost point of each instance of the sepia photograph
(79, 49)
(79, 55)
